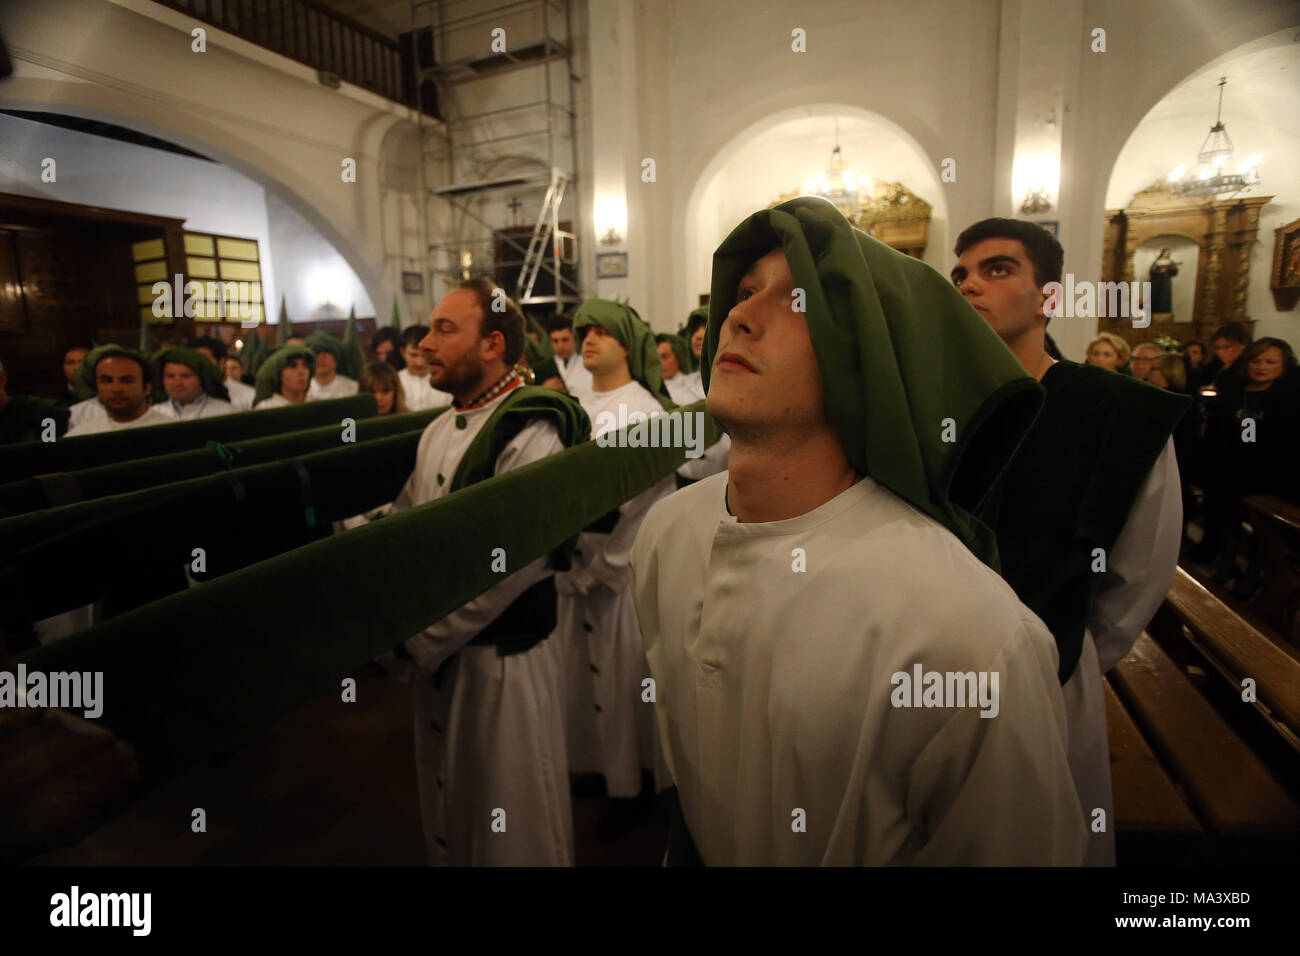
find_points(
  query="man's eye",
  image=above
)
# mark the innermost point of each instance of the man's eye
(744, 294)
(998, 269)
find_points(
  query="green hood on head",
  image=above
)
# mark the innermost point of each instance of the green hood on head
(211, 377)
(901, 353)
(268, 376)
(681, 349)
(325, 342)
(622, 322)
(84, 380)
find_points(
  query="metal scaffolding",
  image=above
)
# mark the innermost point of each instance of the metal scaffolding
(470, 143)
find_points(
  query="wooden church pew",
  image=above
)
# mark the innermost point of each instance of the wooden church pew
(1277, 523)
(1228, 787)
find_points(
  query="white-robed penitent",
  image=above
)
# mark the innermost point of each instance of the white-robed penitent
(420, 393)
(489, 730)
(774, 648)
(339, 387)
(608, 716)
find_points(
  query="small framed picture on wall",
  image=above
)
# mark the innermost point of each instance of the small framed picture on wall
(611, 265)
(412, 283)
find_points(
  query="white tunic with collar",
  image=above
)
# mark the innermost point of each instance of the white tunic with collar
(610, 726)
(776, 691)
(489, 732)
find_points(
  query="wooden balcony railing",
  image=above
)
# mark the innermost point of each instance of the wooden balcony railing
(314, 35)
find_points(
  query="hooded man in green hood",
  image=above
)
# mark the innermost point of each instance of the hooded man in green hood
(610, 729)
(284, 377)
(192, 387)
(328, 381)
(841, 676)
(680, 378)
(122, 381)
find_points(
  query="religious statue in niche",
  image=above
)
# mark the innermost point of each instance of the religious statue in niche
(1162, 272)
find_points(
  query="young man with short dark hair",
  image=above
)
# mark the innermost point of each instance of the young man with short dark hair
(1093, 494)
(192, 385)
(787, 603)
(568, 357)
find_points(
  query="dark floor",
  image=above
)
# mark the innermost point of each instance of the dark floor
(332, 785)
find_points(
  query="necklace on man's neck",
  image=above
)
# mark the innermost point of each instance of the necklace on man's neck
(505, 383)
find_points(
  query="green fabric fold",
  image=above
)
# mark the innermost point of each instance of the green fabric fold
(905, 362)
(202, 669)
(211, 377)
(621, 321)
(25, 459)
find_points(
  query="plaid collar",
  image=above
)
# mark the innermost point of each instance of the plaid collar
(505, 384)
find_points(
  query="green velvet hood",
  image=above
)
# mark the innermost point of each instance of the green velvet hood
(210, 376)
(84, 380)
(268, 375)
(901, 353)
(324, 341)
(622, 322)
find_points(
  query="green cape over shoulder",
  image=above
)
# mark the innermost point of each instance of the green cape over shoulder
(906, 363)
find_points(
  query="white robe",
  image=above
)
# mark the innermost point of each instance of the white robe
(1145, 558)
(95, 426)
(419, 394)
(241, 395)
(775, 689)
(610, 727)
(340, 387)
(685, 388)
(490, 735)
(85, 411)
(204, 407)
(576, 376)
(274, 400)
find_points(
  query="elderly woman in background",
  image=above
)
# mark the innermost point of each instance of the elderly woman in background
(1108, 351)
(380, 379)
